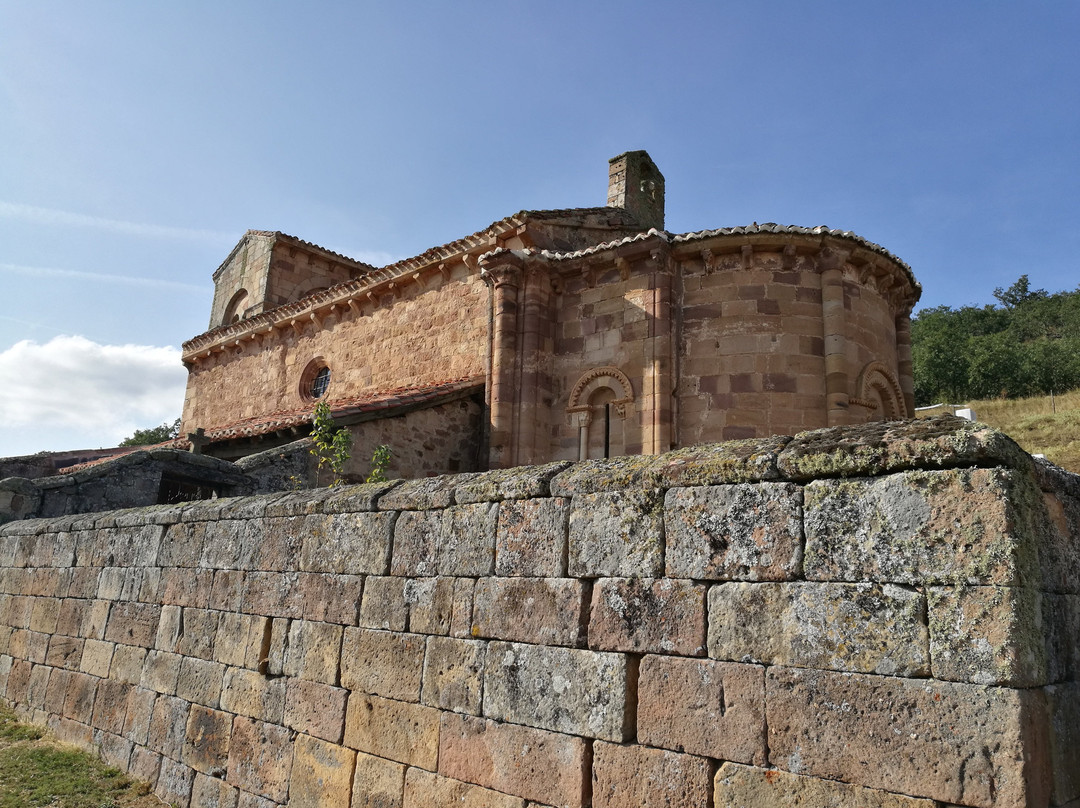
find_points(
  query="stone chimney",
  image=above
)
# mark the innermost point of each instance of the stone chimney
(635, 183)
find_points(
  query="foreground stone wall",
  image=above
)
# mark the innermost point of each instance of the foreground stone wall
(875, 616)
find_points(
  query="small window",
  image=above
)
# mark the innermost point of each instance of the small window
(320, 383)
(315, 380)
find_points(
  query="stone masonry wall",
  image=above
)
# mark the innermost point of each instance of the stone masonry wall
(877, 616)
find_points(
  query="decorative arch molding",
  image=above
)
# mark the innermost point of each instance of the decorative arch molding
(877, 383)
(596, 379)
(600, 392)
(308, 287)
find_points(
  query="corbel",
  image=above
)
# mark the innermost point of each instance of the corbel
(445, 271)
(315, 319)
(299, 329)
(374, 301)
(467, 259)
(788, 261)
(711, 262)
(355, 307)
(747, 256)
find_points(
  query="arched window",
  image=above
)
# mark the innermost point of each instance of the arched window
(599, 405)
(234, 312)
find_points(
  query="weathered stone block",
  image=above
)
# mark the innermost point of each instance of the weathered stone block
(713, 709)
(314, 651)
(174, 782)
(179, 586)
(227, 592)
(95, 620)
(161, 672)
(115, 751)
(230, 544)
(424, 789)
(182, 545)
(168, 633)
(139, 715)
(322, 774)
(127, 664)
(431, 604)
(453, 674)
(865, 628)
(383, 605)
(407, 733)
(315, 709)
(350, 543)
(618, 534)
(988, 635)
(260, 758)
(79, 700)
(235, 644)
(64, 652)
(417, 538)
(383, 663)
(279, 550)
(145, 764)
(958, 526)
(197, 633)
(531, 537)
(643, 615)
(200, 681)
(520, 482)
(274, 594)
(632, 776)
(1064, 709)
(44, 615)
(251, 694)
(330, 598)
(133, 624)
(543, 611)
(734, 532)
(526, 762)
(377, 783)
(206, 740)
(210, 792)
(168, 726)
(561, 689)
(110, 706)
(738, 786)
(844, 727)
(461, 615)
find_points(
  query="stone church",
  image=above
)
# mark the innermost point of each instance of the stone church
(554, 335)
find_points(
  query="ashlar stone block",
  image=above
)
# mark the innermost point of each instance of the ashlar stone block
(321, 774)
(396, 730)
(424, 789)
(377, 783)
(543, 611)
(865, 628)
(957, 526)
(453, 674)
(747, 532)
(644, 615)
(737, 786)
(529, 763)
(633, 776)
(713, 709)
(617, 534)
(585, 693)
(383, 663)
(531, 537)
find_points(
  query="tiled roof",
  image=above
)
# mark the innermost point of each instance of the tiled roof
(371, 402)
(617, 217)
(701, 235)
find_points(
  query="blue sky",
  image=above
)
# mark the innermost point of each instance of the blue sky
(139, 140)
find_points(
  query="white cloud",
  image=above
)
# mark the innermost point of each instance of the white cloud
(51, 216)
(102, 392)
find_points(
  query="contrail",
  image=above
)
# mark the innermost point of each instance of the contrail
(100, 276)
(30, 213)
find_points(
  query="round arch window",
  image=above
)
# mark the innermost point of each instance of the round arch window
(315, 380)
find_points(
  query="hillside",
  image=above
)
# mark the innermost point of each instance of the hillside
(1034, 424)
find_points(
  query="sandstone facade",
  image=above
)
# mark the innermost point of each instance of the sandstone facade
(855, 633)
(588, 332)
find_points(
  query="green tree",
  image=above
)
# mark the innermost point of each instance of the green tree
(157, 434)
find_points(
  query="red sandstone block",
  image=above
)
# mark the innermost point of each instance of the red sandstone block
(633, 776)
(383, 663)
(544, 611)
(260, 758)
(529, 763)
(714, 709)
(643, 615)
(407, 733)
(315, 709)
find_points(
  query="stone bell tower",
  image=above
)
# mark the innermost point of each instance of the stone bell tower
(636, 184)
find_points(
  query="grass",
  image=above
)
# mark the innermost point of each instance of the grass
(1040, 425)
(36, 771)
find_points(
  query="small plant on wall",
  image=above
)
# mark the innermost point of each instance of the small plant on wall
(380, 461)
(331, 445)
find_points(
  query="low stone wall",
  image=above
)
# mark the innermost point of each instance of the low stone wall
(877, 616)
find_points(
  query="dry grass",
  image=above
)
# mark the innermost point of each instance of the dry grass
(1041, 426)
